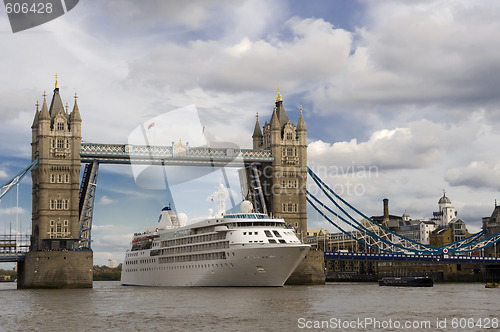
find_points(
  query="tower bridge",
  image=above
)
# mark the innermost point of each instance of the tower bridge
(60, 253)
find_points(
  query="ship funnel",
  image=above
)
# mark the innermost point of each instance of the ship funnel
(168, 218)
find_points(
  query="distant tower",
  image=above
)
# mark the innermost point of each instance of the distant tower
(285, 184)
(56, 142)
(446, 211)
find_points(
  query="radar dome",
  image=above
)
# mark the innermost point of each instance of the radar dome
(246, 207)
(210, 212)
(183, 218)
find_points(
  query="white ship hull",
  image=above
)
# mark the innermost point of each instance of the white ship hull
(252, 266)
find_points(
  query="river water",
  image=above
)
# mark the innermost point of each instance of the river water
(334, 306)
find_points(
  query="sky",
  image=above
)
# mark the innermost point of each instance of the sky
(400, 98)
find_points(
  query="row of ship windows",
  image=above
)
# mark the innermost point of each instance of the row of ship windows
(181, 267)
(194, 239)
(193, 248)
(211, 256)
(140, 261)
(192, 258)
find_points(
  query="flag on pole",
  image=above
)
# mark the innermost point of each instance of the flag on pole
(203, 132)
(151, 125)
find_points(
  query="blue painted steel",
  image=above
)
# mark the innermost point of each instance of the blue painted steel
(473, 242)
(16, 179)
(324, 187)
(337, 226)
(87, 196)
(442, 258)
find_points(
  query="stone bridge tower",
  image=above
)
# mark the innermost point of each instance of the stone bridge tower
(284, 183)
(55, 260)
(56, 142)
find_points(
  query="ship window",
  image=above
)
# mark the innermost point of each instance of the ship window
(268, 233)
(244, 233)
(272, 241)
(276, 234)
(282, 241)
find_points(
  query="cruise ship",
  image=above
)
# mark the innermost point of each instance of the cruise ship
(234, 249)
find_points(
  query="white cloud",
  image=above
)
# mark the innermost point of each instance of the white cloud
(3, 174)
(417, 146)
(105, 200)
(316, 51)
(13, 210)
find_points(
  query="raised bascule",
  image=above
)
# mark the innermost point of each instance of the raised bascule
(273, 176)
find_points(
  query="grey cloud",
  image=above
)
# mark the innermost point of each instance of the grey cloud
(477, 175)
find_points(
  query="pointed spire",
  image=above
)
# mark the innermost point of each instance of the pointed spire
(257, 132)
(275, 124)
(282, 116)
(301, 125)
(75, 114)
(37, 115)
(56, 86)
(44, 113)
(56, 105)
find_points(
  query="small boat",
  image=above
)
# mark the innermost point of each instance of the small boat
(407, 281)
(491, 285)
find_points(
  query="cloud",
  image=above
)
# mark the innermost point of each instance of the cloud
(418, 146)
(316, 51)
(3, 174)
(478, 175)
(13, 210)
(419, 53)
(110, 242)
(105, 200)
(149, 14)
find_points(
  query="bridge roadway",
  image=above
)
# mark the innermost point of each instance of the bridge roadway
(177, 154)
(359, 256)
(12, 257)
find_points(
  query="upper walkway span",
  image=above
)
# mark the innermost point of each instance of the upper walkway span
(171, 155)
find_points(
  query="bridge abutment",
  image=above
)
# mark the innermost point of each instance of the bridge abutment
(56, 269)
(311, 271)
